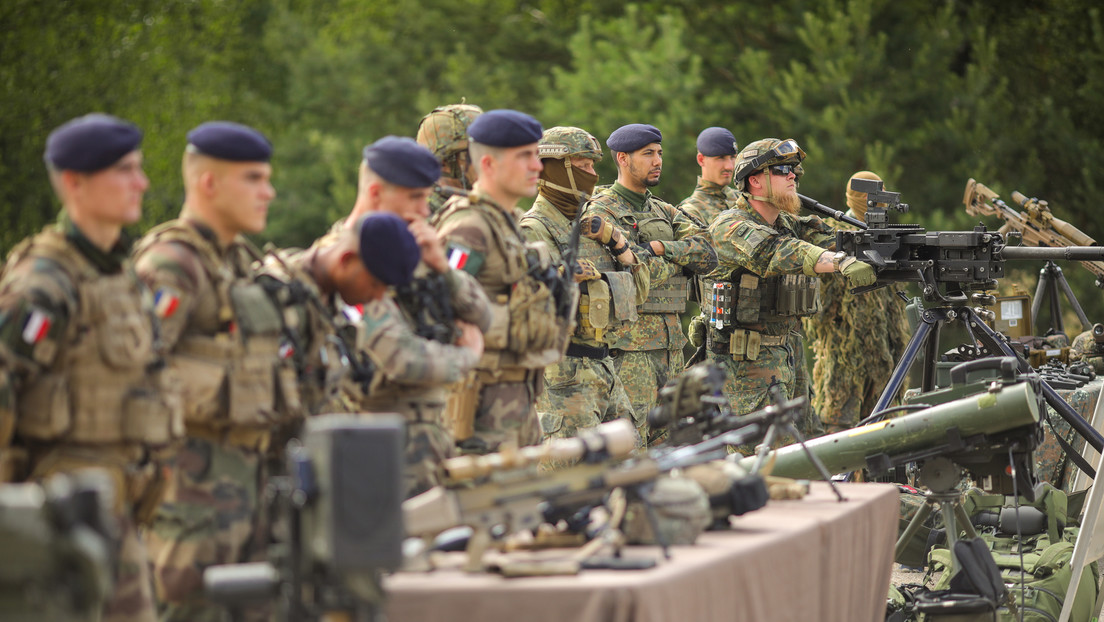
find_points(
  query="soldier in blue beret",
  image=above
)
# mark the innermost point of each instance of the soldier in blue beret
(76, 323)
(648, 352)
(228, 350)
(482, 238)
(714, 192)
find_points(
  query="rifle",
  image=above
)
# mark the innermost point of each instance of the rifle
(508, 492)
(1036, 223)
(429, 303)
(815, 206)
(959, 261)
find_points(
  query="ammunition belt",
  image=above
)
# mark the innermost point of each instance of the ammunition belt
(742, 345)
(589, 352)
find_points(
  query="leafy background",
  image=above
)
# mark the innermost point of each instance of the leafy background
(927, 93)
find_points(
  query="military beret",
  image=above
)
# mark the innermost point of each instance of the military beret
(716, 141)
(230, 141)
(403, 162)
(505, 128)
(91, 143)
(629, 138)
(387, 248)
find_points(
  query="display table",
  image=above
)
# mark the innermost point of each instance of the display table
(813, 559)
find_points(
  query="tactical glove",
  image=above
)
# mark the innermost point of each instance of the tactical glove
(586, 271)
(598, 229)
(858, 273)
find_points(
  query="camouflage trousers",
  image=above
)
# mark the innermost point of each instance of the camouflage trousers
(131, 599)
(581, 393)
(428, 444)
(210, 515)
(644, 372)
(505, 412)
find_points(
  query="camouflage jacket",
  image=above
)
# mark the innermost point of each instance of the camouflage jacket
(641, 219)
(703, 206)
(746, 243)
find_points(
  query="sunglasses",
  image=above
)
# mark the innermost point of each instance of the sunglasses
(783, 170)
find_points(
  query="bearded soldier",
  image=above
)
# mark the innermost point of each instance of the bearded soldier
(227, 342)
(583, 389)
(648, 352)
(427, 333)
(770, 261)
(530, 326)
(445, 132)
(857, 339)
(82, 380)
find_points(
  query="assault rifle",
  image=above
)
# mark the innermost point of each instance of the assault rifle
(507, 491)
(428, 301)
(959, 261)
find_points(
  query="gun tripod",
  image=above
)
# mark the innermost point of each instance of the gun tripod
(1051, 280)
(940, 476)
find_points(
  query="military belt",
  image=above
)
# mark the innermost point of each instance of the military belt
(252, 439)
(743, 345)
(589, 352)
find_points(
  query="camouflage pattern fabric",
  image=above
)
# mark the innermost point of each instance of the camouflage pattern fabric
(856, 341)
(657, 334)
(703, 206)
(746, 243)
(438, 198)
(1051, 463)
(643, 373)
(579, 392)
(210, 516)
(1084, 348)
(506, 414)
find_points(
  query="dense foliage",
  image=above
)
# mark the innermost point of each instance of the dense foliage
(926, 93)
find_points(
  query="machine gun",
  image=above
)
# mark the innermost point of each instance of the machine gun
(339, 511)
(1038, 227)
(507, 491)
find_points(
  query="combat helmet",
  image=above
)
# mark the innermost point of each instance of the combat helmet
(762, 153)
(563, 143)
(445, 132)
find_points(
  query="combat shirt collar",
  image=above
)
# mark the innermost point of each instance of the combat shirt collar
(635, 199)
(109, 262)
(710, 187)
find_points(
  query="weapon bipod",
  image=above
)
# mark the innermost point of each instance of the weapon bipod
(990, 343)
(788, 427)
(939, 475)
(1051, 279)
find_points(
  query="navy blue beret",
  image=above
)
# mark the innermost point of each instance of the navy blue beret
(387, 248)
(91, 143)
(716, 141)
(505, 128)
(230, 141)
(629, 138)
(403, 162)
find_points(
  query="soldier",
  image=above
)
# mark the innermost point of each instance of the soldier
(526, 333)
(647, 352)
(445, 132)
(427, 334)
(714, 192)
(583, 389)
(226, 338)
(857, 340)
(81, 373)
(769, 263)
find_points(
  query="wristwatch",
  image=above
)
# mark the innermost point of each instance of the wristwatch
(837, 258)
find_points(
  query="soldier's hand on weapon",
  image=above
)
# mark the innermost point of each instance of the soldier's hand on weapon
(433, 252)
(470, 337)
(585, 271)
(603, 232)
(858, 273)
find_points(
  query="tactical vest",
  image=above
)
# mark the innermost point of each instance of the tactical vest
(749, 299)
(525, 331)
(107, 384)
(671, 295)
(604, 304)
(240, 376)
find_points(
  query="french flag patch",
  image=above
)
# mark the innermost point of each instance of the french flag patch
(458, 257)
(37, 327)
(165, 303)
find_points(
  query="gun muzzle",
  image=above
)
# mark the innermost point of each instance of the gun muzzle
(1098, 333)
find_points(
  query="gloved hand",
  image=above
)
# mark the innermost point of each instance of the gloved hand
(586, 271)
(596, 228)
(858, 273)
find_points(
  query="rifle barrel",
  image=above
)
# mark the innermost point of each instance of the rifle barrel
(815, 206)
(1079, 253)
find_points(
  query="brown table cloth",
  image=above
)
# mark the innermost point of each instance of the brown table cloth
(812, 559)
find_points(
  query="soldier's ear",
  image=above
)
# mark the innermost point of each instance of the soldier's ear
(701, 159)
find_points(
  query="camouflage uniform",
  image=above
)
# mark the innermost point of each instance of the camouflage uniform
(414, 372)
(762, 260)
(857, 340)
(525, 334)
(584, 389)
(225, 335)
(80, 372)
(649, 351)
(444, 132)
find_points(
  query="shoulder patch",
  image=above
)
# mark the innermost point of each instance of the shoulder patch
(166, 301)
(461, 257)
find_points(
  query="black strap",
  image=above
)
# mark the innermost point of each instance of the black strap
(1070, 451)
(590, 352)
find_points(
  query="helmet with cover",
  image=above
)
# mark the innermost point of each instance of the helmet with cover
(763, 153)
(445, 132)
(565, 185)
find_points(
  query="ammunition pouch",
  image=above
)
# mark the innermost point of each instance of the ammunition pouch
(462, 403)
(669, 296)
(533, 321)
(740, 344)
(753, 300)
(653, 228)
